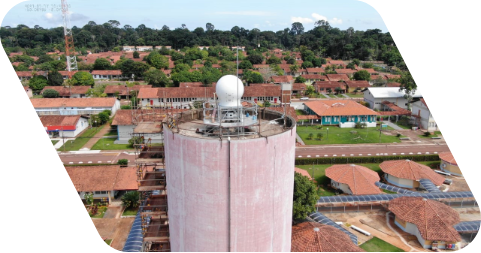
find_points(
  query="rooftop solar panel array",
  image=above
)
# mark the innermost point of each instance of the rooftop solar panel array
(428, 185)
(135, 238)
(468, 226)
(394, 189)
(387, 197)
(318, 217)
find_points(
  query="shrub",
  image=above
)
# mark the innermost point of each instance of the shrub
(125, 107)
(364, 159)
(130, 199)
(427, 134)
(123, 162)
(398, 135)
(50, 93)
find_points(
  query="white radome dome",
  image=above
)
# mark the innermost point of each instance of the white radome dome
(230, 90)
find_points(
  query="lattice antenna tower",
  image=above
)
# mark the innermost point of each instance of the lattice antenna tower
(69, 47)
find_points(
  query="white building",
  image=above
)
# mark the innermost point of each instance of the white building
(136, 48)
(74, 106)
(64, 126)
(422, 116)
(376, 95)
(106, 74)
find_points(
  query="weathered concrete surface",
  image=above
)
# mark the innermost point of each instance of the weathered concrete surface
(262, 182)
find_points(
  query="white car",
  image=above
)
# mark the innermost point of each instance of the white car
(304, 98)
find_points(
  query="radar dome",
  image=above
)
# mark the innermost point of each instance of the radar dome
(230, 90)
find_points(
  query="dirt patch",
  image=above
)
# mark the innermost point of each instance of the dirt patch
(113, 212)
(115, 229)
(123, 231)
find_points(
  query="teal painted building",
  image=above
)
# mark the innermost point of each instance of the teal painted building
(345, 113)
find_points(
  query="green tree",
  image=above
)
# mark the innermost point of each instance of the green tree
(305, 197)
(300, 79)
(266, 103)
(136, 55)
(130, 67)
(362, 75)
(307, 64)
(54, 78)
(356, 62)
(89, 198)
(245, 64)
(273, 60)
(253, 77)
(408, 85)
(310, 136)
(37, 83)
(157, 60)
(102, 64)
(255, 58)
(135, 140)
(49, 93)
(319, 136)
(310, 90)
(103, 117)
(130, 199)
(82, 78)
(294, 68)
(156, 78)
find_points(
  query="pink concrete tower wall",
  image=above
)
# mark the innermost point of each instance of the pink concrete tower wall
(261, 191)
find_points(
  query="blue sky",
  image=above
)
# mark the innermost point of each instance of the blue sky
(265, 15)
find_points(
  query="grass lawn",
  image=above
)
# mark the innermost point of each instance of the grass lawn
(332, 96)
(378, 245)
(108, 144)
(80, 141)
(100, 212)
(112, 132)
(54, 141)
(108, 241)
(402, 123)
(130, 212)
(436, 134)
(300, 112)
(355, 95)
(337, 135)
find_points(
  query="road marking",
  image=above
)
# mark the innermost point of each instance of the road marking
(386, 154)
(80, 162)
(308, 155)
(325, 155)
(368, 154)
(300, 156)
(317, 155)
(360, 154)
(109, 161)
(410, 153)
(435, 152)
(393, 153)
(427, 153)
(352, 154)
(128, 161)
(70, 163)
(334, 155)
(377, 154)
(419, 153)
(100, 161)
(402, 153)
(89, 161)
(343, 155)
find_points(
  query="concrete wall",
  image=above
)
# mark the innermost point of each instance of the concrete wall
(124, 134)
(260, 196)
(450, 168)
(343, 187)
(401, 182)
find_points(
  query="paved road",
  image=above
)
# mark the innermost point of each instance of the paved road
(111, 157)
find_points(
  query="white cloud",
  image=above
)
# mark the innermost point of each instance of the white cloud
(318, 16)
(269, 23)
(256, 25)
(301, 20)
(335, 21)
(49, 15)
(245, 13)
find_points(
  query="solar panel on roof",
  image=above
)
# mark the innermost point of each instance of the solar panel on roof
(135, 237)
(320, 218)
(468, 226)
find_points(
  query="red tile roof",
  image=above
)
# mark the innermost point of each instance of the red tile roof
(299, 86)
(107, 72)
(314, 77)
(329, 84)
(291, 111)
(123, 90)
(358, 84)
(337, 62)
(102, 178)
(24, 73)
(282, 79)
(60, 122)
(395, 110)
(433, 219)
(65, 91)
(262, 84)
(65, 73)
(339, 108)
(315, 70)
(190, 84)
(72, 102)
(200, 92)
(393, 85)
(370, 71)
(125, 117)
(314, 237)
(345, 71)
(408, 169)
(303, 172)
(392, 76)
(359, 178)
(447, 157)
(337, 77)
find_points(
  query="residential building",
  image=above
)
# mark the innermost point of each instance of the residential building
(106, 74)
(376, 95)
(431, 221)
(422, 116)
(299, 89)
(122, 91)
(104, 182)
(407, 173)
(136, 48)
(348, 72)
(65, 75)
(345, 113)
(282, 79)
(353, 86)
(68, 92)
(315, 71)
(311, 78)
(353, 179)
(74, 106)
(328, 86)
(28, 91)
(64, 125)
(190, 84)
(449, 164)
(337, 77)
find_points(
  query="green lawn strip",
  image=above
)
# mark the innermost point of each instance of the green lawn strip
(80, 141)
(112, 132)
(130, 212)
(108, 241)
(54, 141)
(388, 192)
(378, 245)
(100, 212)
(337, 135)
(300, 112)
(108, 144)
(355, 95)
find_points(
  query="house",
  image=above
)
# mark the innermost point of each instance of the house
(348, 72)
(260, 94)
(190, 84)
(28, 91)
(315, 71)
(310, 78)
(328, 86)
(106, 74)
(65, 74)
(299, 89)
(315, 237)
(353, 179)
(74, 106)
(337, 62)
(376, 95)
(345, 113)
(394, 77)
(422, 116)
(407, 173)
(128, 122)
(431, 221)
(282, 79)
(24, 75)
(353, 86)
(337, 77)
(104, 182)
(449, 164)
(64, 125)
(68, 92)
(122, 91)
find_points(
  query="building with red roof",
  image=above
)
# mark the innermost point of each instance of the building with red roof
(431, 221)
(74, 106)
(353, 179)
(106, 74)
(407, 173)
(337, 77)
(345, 113)
(68, 92)
(449, 164)
(64, 125)
(422, 115)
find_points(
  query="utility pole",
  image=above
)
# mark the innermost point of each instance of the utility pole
(63, 138)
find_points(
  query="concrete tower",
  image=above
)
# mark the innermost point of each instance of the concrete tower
(230, 175)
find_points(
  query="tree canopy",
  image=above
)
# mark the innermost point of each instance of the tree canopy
(49, 93)
(362, 75)
(83, 78)
(305, 197)
(54, 78)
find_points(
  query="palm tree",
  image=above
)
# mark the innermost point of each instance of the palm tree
(130, 199)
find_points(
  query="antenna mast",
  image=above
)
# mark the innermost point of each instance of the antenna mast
(69, 47)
